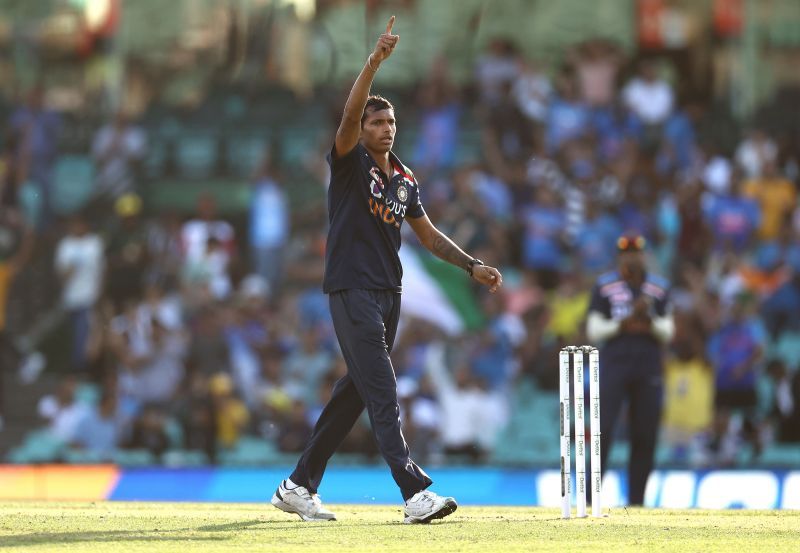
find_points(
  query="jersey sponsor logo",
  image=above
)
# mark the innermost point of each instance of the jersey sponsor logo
(388, 212)
(376, 183)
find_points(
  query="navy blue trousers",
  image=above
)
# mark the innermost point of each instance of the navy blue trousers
(637, 381)
(366, 323)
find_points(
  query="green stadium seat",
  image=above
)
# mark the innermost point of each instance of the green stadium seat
(73, 184)
(156, 160)
(184, 458)
(134, 458)
(174, 432)
(244, 153)
(40, 446)
(249, 451)
(781, 456)
(82, 457)
(196, 154)
(296, 144)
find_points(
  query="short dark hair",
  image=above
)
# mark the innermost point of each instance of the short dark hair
(375, 103)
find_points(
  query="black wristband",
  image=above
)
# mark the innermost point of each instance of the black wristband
(471, 265)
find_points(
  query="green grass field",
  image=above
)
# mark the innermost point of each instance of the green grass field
(156, 527)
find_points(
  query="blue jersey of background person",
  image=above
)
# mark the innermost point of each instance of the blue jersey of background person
(630, 316)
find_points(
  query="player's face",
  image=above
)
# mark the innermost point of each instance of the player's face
(631, 262)
(378, 130)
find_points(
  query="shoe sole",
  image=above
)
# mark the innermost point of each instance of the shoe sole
(448, 508)
(277, 501)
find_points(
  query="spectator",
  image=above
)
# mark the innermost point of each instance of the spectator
(197, 232)
(304, 368)
(533, 91)
(735, 351)
(206, 274)
(246, 337)
(733, 219)
(493, 362)
(595, 239)
(153, 376)
(99, 432)
(164, 247)
(269, 227)
(777, 197)
(596, 64)
(470, 416)
(196, 411)
(495, 69)
(649, 96)
(295, 430)
(149, 432)
(780, 309)
(439, 124)
(16, 247)
(126, 252)
(688, 399)
(36, 130)
(118, 149)
(568, 117)
(63, 412)
(785, 401)
(231, 412)
(543, 239)
(755, 152)
(80, 264)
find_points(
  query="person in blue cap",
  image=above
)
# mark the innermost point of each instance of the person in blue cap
(629, 316)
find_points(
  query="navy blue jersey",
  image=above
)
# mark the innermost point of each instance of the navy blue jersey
(365, 212)
(613, 298)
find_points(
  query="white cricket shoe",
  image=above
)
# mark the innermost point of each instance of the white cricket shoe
(426, 506)
(299, 501)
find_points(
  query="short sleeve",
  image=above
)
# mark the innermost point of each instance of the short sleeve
(662, 305)
(343, 163)
(599, 303)
(415, 209)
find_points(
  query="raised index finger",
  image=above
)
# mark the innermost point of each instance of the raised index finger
(389, 25)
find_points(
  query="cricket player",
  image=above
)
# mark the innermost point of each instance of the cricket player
(371, 193)
(630, 314)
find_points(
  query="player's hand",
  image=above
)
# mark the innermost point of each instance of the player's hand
(385, 45)
(488, 276)
(641, 308)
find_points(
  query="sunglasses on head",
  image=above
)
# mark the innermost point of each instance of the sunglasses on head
(625, 243)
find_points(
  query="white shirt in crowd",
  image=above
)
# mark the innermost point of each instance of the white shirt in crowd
(64, 419)
(754, 153)
(195, 235)
(115, 175)
(467, 415)
(81, 259)
(651, 100)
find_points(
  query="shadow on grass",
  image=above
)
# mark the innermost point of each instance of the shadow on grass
(182, 534)
(59, 538)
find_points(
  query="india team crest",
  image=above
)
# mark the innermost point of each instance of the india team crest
(402, 193)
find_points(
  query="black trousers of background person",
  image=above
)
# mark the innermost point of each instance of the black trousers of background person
(636, 380)
(366, 323)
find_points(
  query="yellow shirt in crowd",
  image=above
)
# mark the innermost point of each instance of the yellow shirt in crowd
(688, 395)
(777, 198)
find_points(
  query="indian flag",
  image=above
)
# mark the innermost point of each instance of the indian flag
(438, 292)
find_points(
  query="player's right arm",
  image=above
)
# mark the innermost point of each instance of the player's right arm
(350, 128)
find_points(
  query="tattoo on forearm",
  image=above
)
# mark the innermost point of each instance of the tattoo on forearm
(445, 249)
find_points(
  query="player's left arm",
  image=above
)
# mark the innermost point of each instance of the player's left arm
(442, 247)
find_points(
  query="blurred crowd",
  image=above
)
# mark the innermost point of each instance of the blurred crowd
(194, 331)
